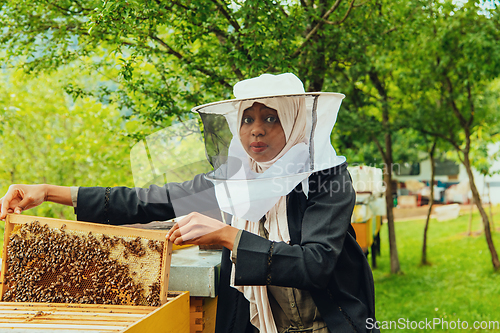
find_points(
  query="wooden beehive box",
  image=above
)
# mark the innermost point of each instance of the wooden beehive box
(57, 271)
(171, 317)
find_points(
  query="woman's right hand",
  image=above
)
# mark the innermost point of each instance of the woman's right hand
(22, 197)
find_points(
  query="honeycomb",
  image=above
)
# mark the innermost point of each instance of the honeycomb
(58, 265)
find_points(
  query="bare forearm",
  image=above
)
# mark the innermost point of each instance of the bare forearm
(58, 194)
(228, 235)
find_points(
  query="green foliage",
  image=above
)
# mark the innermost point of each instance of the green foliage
(375, 103)
(484, 151)
(450, 63)
(46, 137)
(161, 58)
(167, 56)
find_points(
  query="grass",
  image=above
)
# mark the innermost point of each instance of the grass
(460, 284)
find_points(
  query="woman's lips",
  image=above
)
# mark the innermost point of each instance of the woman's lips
(258, 147)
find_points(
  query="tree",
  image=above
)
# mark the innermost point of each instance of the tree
(46, 137)
(375, 101)
(167, 56)
(452, 63)
(172, 55)
(434, 147)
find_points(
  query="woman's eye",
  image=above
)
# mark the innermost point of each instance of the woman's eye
(271, 119)
(247, 120)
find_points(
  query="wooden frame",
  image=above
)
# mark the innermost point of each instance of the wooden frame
(171, 317)
(13, 219)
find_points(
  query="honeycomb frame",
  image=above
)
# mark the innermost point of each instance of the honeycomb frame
(124, 242)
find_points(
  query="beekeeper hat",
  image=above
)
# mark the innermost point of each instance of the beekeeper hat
(247, 194)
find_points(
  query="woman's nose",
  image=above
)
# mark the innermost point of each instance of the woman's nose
(258, 129)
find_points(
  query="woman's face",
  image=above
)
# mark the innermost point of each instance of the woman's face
(261, 133)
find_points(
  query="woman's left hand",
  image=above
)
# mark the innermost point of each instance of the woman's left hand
(199, 229)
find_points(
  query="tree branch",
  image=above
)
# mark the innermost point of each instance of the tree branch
(67, 10)
(454, 107)
(378, 84)
(180, 5)
(471, 102)
(316, 28)
(390, 30)
(442, 136)
(362, 4)
(345, 16)
(282, 10)
(399, 25)
(380, 148)
(81, 6)
(224, 12)
(190, 62)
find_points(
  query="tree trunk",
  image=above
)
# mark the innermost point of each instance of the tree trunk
(431, 203)
(484, 216)
(469, 232)
(393, 249)
(489, 206)
(317, 65)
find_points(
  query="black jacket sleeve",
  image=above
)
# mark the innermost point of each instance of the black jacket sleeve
(310, 263)
(122, 205)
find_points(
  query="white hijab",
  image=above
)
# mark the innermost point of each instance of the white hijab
(292, 116)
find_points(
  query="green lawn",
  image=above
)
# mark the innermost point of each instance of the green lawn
(459, 285)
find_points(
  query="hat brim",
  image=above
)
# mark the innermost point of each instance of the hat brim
(236, 100)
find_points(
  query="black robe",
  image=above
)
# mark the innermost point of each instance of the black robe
(323, 256)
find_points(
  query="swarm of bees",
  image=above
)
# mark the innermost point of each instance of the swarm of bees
(58, 266)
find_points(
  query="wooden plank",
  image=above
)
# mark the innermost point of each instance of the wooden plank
(90, 227)
(82, 321)
(51, 330)
(8, 227)
(165, 272)
(202, 314)
(56, 326)
(76, 307)
(172, 317)
(72, 315)
(30, 306)
(195, 303)
(210, 312)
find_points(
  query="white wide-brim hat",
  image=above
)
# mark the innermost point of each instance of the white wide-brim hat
(322, 108)
(266, 85)
(248, 195)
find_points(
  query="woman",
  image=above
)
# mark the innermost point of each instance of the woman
(291, 262)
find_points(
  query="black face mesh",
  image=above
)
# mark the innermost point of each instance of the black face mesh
(217, 137)
(220, 123)
(69, 266)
